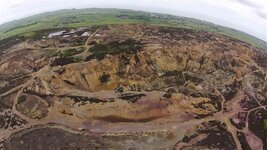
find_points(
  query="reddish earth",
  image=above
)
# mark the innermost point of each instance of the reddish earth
(134, 87)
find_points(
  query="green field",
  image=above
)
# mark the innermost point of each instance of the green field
(36, 26)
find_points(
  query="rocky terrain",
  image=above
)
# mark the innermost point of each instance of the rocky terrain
(133, 87)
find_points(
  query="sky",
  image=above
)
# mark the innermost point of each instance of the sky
(249, 16)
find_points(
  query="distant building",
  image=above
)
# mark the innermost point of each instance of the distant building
(78, 31)
(65, 36)
(98, 35)
(56, 34)
(85, 34)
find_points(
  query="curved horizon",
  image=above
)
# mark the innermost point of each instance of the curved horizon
(243, 15)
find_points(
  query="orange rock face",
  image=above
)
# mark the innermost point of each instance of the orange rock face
(143, 87)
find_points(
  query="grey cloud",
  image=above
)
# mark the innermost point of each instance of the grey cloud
(262, 15)
(257, 8)
(250, 3)
(14, 6)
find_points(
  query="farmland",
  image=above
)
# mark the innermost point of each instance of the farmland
(72, 18)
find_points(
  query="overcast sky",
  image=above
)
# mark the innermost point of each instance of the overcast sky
(249, 16)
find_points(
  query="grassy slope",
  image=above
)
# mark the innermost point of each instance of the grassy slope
(93, 17)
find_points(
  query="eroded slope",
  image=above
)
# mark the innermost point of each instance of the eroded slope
(136, 86)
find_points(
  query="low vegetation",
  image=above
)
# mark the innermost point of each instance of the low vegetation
(72, 51)
(82, 75)
(265, 124)
(66, 57)
(51, 53)
(129, 46)
(63, 19)
(22, 99)
(69, 52)
(62, 61)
